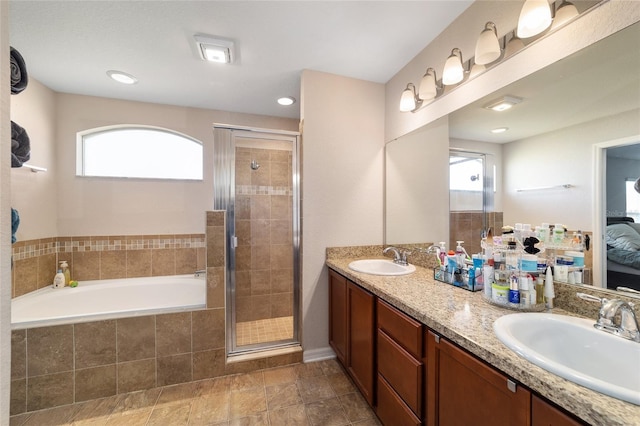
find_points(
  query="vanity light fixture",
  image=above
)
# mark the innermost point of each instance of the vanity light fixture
(504, 103)
(122, 77)
(499, 130)
(487, 46)
(214, 49)
(286, 100)
(428, 85)
(409, 100)
(453, 72)
(535, 17)
(565, 12)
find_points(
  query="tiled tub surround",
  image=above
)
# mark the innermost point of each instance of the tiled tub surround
(264, 256)
(60, 365)
(464, 318)
(105, 257)
(467, 226)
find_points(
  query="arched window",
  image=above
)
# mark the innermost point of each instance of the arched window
(138, 152)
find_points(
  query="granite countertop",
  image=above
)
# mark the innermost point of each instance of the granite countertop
(466, 319)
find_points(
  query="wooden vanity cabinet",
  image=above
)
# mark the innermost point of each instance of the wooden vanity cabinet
(338, 315)
(352, 331)
(400, 367)
(462, 390)
(545, 414)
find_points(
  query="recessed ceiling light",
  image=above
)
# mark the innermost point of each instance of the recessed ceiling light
(122, 77)
(500, 130)
(215, 49)
(287, 100)
(504, 103)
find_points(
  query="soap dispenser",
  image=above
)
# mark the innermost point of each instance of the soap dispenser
(460, 254)
(58, 280)
(64, 266)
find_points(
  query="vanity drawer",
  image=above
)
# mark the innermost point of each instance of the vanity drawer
(404, 329)
(401, 371)
(391, 410)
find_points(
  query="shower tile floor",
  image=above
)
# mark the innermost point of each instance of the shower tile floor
(266, 330)
(317, 393)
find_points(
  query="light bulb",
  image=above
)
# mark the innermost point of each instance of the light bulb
(535, 17)
(428, 89)
(453, 71)
(408, 99)
(488, 46)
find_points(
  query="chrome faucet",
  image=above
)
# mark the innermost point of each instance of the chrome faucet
(616, 317)
(400, 256)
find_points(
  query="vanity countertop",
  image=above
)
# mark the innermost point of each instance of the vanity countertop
(466, 319)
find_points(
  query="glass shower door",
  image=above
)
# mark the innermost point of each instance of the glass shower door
(263, 229)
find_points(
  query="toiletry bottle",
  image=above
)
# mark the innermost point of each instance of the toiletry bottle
(65, 270)
(58, 280)
(514, 292)
(524, 288)
(540, 289)
(443, 252)
(549, 293)
(558, 234)
(460, 254)
(489, 275)
(511, 257)
(533, 294)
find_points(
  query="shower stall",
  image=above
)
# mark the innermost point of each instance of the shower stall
(256, 181)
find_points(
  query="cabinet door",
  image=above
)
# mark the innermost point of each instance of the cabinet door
(462, 390)
(545, 414)
(361, 321)
(338, 315)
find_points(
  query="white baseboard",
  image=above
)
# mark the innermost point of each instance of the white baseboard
(319, 354)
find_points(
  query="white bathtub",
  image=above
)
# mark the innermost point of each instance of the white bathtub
(107, 299)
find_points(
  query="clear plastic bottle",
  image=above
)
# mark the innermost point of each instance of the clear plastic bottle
(460, 254)
(443, 253)
(58, 280)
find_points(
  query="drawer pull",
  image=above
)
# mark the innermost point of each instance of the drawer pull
(511, 385)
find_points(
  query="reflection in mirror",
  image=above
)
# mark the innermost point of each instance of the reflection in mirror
(569, 107)
(622, 234)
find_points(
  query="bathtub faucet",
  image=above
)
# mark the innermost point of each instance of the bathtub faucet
(200, 273)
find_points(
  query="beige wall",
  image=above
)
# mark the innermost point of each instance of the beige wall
(342, 176)
(561, 157)
(35, 195)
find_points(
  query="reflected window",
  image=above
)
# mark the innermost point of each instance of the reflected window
(632, 200)
(139, 152)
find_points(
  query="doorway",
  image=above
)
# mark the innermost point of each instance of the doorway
(256, 180)
(471, 188)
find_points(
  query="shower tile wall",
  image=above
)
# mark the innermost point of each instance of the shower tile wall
(264, 256)
(105, 257)
(467, 227)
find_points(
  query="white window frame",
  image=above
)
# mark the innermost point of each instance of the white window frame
(80, 150)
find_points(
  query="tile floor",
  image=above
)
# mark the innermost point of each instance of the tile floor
(318, 393)
(265, 330)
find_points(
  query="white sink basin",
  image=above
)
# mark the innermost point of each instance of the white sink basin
(380, 267)
(572, 348)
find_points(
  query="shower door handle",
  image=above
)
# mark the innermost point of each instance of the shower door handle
(234, 241)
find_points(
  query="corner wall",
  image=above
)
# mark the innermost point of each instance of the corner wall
(342, 185)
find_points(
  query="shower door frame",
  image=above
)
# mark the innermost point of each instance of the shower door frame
(224, 199)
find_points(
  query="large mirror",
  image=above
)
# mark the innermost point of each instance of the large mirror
(545, 160)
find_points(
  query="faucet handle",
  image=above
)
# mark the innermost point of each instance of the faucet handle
(590, 298)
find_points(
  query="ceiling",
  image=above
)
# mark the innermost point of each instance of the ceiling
(600, 80)
(69, 45)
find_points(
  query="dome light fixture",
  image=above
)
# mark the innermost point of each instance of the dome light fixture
(504, 103)
(122, 77)
(428, 85)
(409, 100)
(535, 17)
(286, 100)
(453, 72)
(488, 46)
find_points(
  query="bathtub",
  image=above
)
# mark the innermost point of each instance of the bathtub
(108, 299)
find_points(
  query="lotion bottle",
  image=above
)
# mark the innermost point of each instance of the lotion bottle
(460, 254)
(58, 280)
